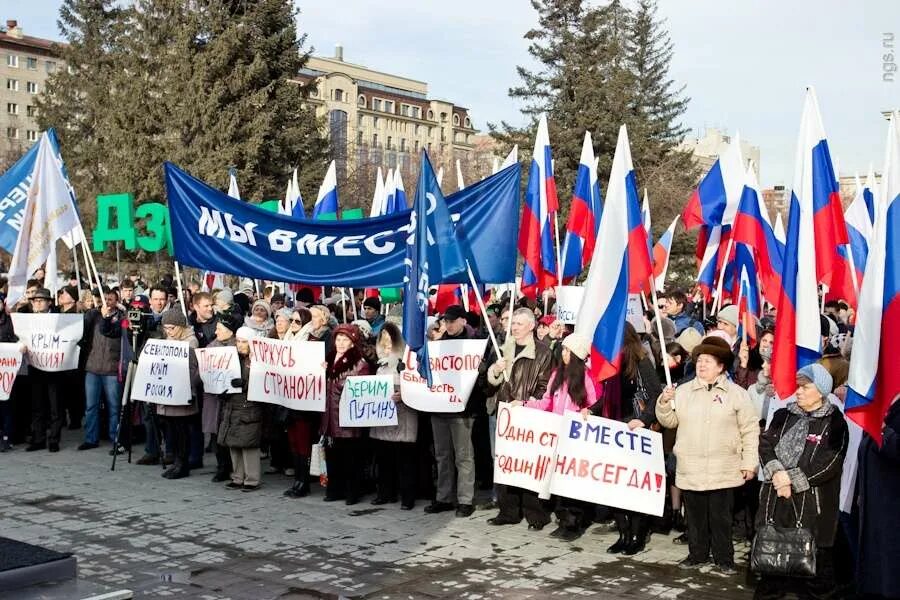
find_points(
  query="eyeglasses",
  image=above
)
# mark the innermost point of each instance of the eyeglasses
(297, 321)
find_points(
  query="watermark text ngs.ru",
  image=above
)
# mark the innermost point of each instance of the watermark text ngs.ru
(888, 58)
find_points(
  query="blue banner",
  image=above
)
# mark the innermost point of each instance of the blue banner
(214, 232)
(14, 185)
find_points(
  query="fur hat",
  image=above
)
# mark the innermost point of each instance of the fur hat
(578, 345)
(820, 377)
(715, 347)
(364, 327)
(174, 316)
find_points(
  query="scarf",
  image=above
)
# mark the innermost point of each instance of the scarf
(790, 447)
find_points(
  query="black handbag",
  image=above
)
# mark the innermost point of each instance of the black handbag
(784, 551)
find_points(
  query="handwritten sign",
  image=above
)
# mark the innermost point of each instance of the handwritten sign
(287, 373)
(454, 368)
(52, 339)
(366, 402)
(218, 366)
(10, 361)
(163, 373)
(595, 460)
(568, 302)
(525, 446)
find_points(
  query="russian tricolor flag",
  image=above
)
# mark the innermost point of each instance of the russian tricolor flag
(327, 199)
(536, 234)
(753, 228)
(620, 265)
(716, 198)
(797, 334)
(584, 214)
(292, 205)
(748, 303)
(378, 196)
(233, 191)
(711, 263)
(860, 218)
(874, 380)
(661, 252)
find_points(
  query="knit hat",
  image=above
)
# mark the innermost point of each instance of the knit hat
(729, 314)
(372, 302)
(263, 304)
(229, 320)
(246, 286)
(689, 339)
(174, 316)
(578, 345)
(225, 296)
(284, 313)
(71, 290)
(454, 312)
(820, 377)
(348, 330)
(547, 320)
(245, 333)
(717, 348)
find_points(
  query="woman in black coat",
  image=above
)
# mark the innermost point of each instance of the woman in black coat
(878, 481)
(802, 455)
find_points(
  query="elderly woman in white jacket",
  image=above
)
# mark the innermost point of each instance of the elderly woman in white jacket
(716, 448)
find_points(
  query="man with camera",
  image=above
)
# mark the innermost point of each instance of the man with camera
(102, 344)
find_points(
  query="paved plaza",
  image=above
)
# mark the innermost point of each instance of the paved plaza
(191, 538)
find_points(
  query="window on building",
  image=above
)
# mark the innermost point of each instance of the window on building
(430, 115)
(337, 129)
(404, 109)
(416, 146)
(338, 95)
(417, 112)
(31, 87)
(402, 144)
(429, 147)
(361, 101)
(31, 111)
(12, 60)
(376, 104)
(313, 92)
(375, 139)
(468, 123)
(12, 84)
(12, 133)
(12, 108)
(390, 143)
(416, 129)
(375, 121)
(456, 120)
(32, 135)
(359, 120)
(31, 63)
(443, 117)
(359, 137)
(389, 106)
(50, 65)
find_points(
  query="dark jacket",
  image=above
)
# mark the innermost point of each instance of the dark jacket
(815, 482)
(7, 333)
(204, 332)
(529, 372)
(878, 481)
(102, 342)
(241, 425)
(339, 369)
(630, 405)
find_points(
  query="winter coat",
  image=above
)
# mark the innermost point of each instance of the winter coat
(196, 383)
(560, 401)
(815, 481)
(204, 332)
(7, 333)
(529, 372)
(878, 481)
(211, 415)
(407, 427)
(628, 407)
(241, 425)
(718, 434)
(103, 346)
(351, 363)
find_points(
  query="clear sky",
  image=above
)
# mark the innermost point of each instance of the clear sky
(745, 63)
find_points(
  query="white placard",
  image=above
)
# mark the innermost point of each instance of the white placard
(525, 446)
(218, 366)
(596, 460)
(454, 369)
(10, 362)
(366, 402)
(568, 301)
(288, 373)
(51, 338)
(634, 313)
(163, 374)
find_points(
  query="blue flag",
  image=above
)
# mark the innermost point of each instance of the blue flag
(433, 253)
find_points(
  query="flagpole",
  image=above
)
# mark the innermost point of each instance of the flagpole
(180, 290)
(558, 252)
(853, 272)
(344, 304)
(659, 332)
(490, 329)
(353, 304)
(512, 306)
(77, 270)
(717, 300)
(464, 290)
(89, 263)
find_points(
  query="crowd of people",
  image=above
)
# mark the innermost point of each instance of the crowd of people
(737, 457)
